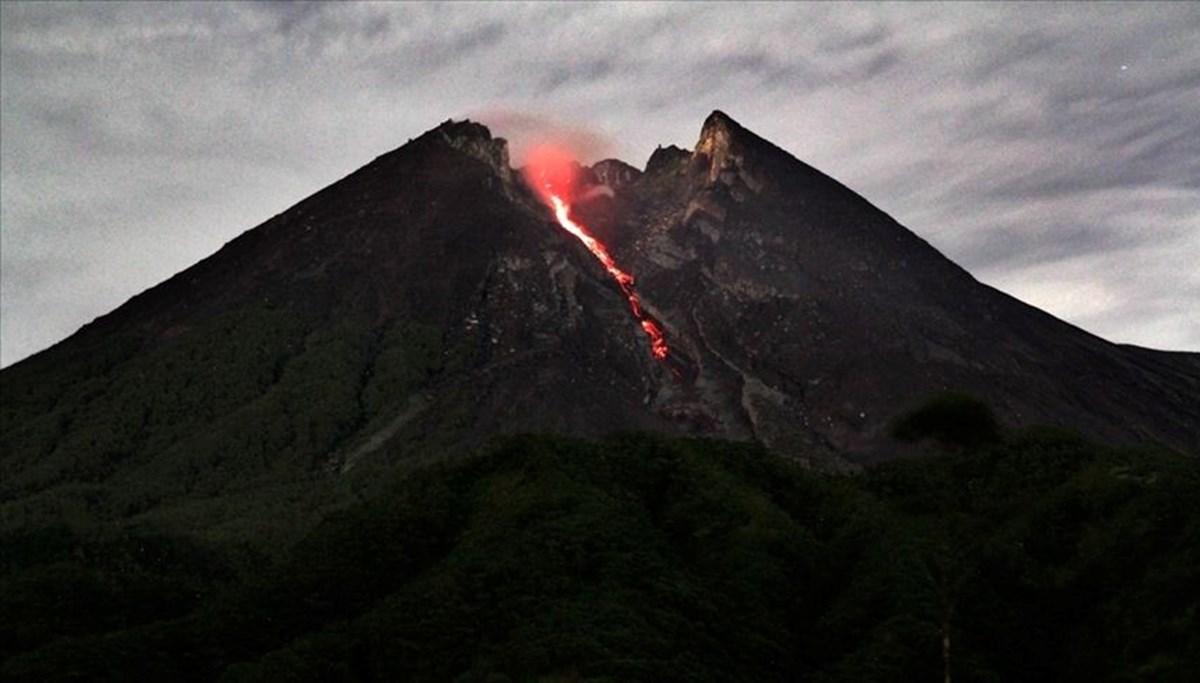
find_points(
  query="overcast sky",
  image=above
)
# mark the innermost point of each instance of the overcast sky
(1051, 149)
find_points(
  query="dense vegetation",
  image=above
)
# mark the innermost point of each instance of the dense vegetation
(1035, 556)
(227, 432)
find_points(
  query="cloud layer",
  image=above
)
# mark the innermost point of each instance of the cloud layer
(1051, 149)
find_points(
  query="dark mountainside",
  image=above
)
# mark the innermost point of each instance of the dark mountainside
(803, 317)
(262, 468)
(802, 304)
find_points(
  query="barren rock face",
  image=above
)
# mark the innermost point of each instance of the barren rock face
(614, 173)
(722, 151)
(812, 318)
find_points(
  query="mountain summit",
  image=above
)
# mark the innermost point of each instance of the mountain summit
(432, 299)
(803, 304)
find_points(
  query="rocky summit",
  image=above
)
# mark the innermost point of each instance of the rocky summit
(813, 318)
(430, 301)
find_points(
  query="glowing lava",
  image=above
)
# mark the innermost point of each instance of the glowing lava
(658, 344)
(552, 173)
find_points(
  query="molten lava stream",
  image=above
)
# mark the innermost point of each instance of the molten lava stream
(658, 343)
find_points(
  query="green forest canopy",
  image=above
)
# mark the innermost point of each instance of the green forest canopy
(1031, 556)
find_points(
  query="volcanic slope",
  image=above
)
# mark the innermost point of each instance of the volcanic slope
(430, 300)
(803, 304)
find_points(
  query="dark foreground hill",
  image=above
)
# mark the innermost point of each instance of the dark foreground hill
(1039, 556)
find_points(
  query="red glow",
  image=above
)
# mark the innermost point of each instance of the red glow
(563, 213)
(550, 171)
(658, 344)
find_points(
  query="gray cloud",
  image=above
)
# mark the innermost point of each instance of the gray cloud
(1052, 149)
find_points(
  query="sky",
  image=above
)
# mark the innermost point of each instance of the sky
(1051, 149)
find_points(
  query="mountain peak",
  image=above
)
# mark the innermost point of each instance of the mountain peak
(666, 158)
(717, 135)
(719, 124)
(475, 140)
(465, 129)
(614, 173)
(730, 154)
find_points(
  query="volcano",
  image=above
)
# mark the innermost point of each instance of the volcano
(432, 300)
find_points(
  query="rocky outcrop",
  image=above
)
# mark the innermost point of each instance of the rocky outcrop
(475, 140)
(666, 159)
(614, 173)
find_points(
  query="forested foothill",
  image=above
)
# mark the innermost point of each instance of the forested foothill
(999, 556)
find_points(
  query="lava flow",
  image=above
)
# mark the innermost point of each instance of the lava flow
(551, 172)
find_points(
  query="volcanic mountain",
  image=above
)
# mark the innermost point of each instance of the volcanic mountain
(432, 299)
